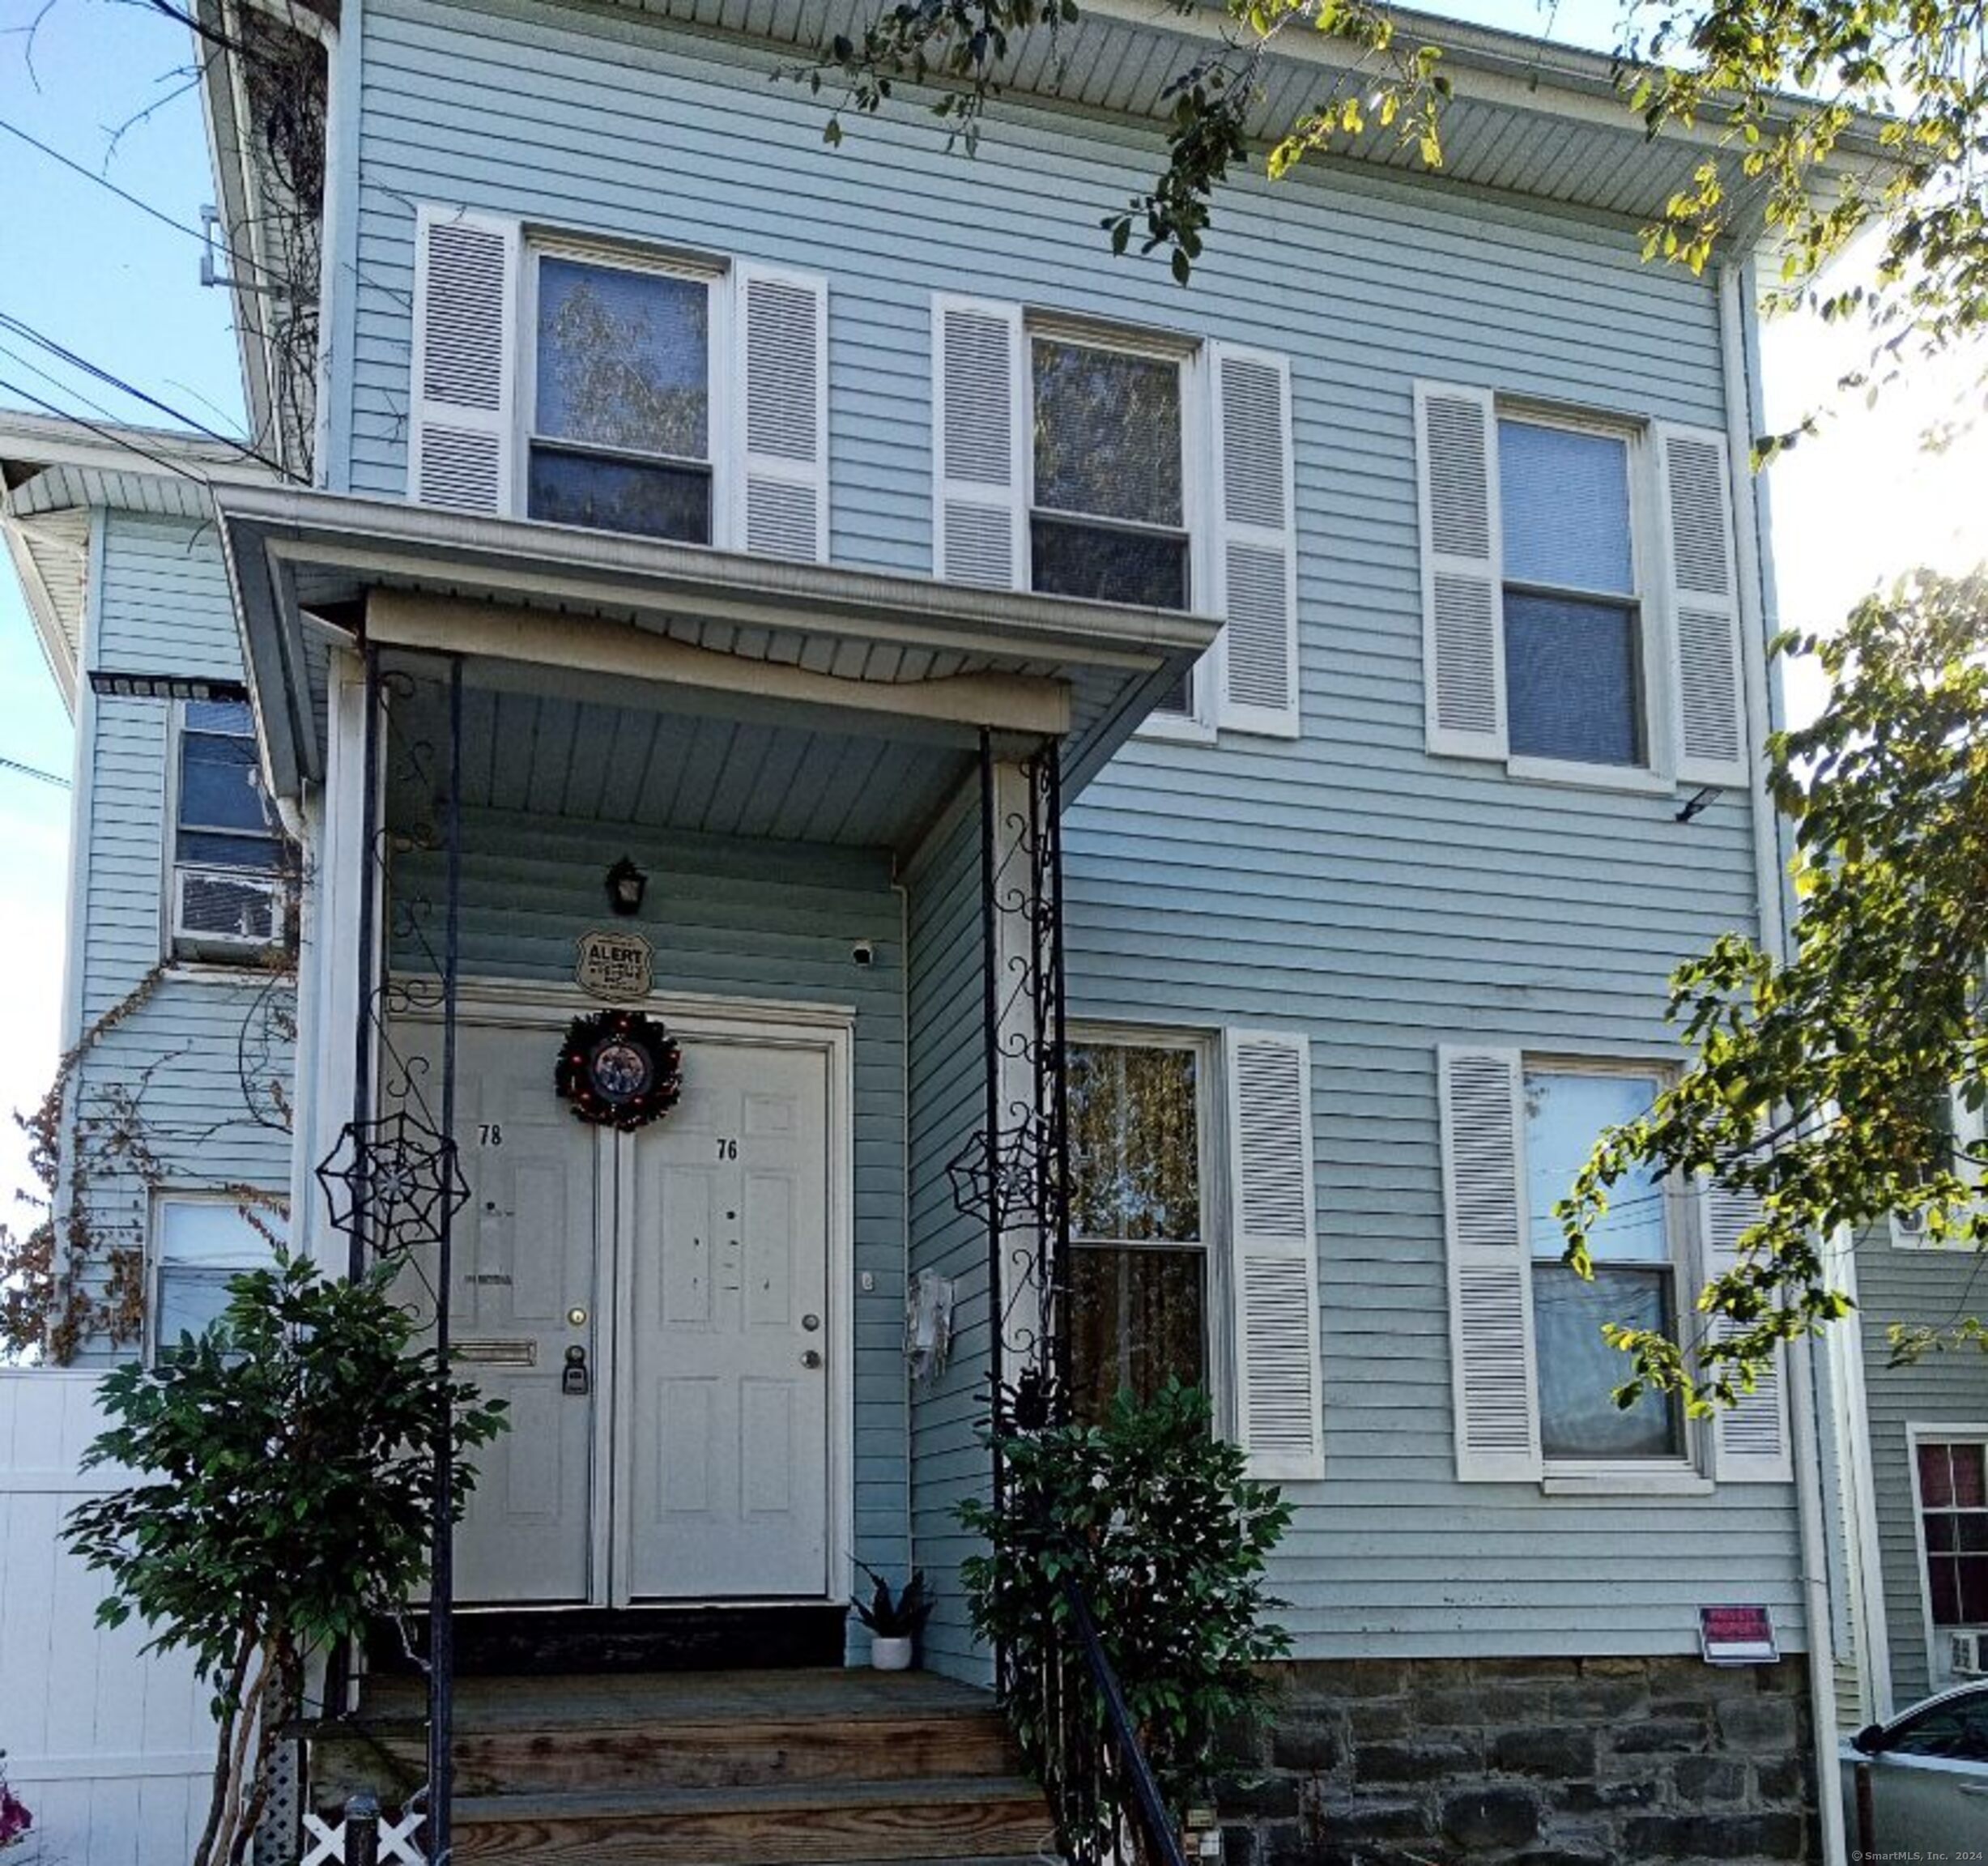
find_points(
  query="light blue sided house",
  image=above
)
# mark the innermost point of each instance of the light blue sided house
(810, 621)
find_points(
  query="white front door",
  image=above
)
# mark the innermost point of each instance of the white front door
(525, 1265)
(723, 1334)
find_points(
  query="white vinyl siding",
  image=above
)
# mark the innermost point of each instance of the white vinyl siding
(1274, 1255)
(761, 432)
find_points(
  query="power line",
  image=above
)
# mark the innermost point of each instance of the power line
(109, 434)
(143, 206)
(20, 328)
(53, 777)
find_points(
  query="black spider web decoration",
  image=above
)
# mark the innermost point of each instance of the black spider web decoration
(392, 1181)
(1002, 1181)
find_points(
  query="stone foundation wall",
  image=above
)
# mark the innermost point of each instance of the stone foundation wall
(1527, 1762)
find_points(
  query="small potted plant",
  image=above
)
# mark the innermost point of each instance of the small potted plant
(14, 1819)
(895, 1622)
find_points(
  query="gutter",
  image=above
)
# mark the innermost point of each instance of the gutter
(1763, 710)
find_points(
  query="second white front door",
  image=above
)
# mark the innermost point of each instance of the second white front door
(724, 1235)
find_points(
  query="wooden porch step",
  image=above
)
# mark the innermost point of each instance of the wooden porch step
(814, 1824)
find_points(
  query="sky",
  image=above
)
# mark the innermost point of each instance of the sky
(105, 82)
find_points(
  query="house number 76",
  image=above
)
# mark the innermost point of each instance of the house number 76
(728, 1149)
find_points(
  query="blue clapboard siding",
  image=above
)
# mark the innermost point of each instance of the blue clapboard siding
(1345, 885)
(202, 1053)
(947, 1090)
(763, 920)
(1915, 1289)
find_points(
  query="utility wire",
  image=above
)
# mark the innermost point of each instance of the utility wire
(143, 206)
(109, 434)
(19, 327)
(15, 766)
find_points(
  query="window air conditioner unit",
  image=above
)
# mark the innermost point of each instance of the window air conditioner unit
(226, 910)
(1969, 1655)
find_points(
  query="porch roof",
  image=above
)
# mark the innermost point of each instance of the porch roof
(597, 618)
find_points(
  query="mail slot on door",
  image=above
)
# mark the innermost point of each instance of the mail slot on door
(496, 1353)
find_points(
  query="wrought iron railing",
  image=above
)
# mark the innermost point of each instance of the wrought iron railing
(1107, 1804)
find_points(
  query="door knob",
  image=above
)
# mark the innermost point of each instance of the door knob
(811, 1358)
(811, 1323)
(575, 1318)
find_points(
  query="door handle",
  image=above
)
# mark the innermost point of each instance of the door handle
(811, 1358)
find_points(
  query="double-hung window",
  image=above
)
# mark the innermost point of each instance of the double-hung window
(1635, 1280)
(620, 425)
(227, 894)
(1954, 1145)
(1139, 1270)
(1108, 507)
(1950, 1475)
(680, 397)
(198, 1243)
(1580, 611)
(1533, 1376)
(1574, 655)
(1146, 468)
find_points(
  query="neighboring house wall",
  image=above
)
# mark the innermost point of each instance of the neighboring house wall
(1921, 1288)
(948, 1106)
(206, 1052)
(744, 919)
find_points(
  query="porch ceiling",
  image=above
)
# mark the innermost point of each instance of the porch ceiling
(583, 760)
(767, 657)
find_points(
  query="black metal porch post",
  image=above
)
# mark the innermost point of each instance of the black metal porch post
(442, 1579)
(1057, 1283)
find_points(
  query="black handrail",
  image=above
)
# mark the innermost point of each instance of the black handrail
(1157, 1840)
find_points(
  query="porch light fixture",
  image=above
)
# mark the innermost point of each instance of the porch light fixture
(626, 885)
(106, 684)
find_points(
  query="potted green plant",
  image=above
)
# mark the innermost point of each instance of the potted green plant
(894, 1621)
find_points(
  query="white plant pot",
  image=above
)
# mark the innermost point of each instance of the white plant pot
(890, 1654)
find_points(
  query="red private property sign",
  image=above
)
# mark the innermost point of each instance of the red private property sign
(1736, 1636)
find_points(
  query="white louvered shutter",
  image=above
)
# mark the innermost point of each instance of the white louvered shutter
(1750, 1438)
(979, 429)
(1274, 1280)
(1491, 1334)
(1704, 591)
(1255, 551)
(781, 328)
(462, 446)
(1462, 604)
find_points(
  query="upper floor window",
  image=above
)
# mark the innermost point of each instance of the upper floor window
(1130, 466)
(620, 423)
(1107, 513)
(228, 896)
(1574, 624)
(591, 384)
(1635, 1280)
(1581, 613)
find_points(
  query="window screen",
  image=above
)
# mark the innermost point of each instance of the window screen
(1572, 625)
(1635, 1282)
(621, 428)
(1109, 520)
